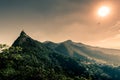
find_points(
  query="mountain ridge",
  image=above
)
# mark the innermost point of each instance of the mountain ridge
(71, 59)
(70, 48)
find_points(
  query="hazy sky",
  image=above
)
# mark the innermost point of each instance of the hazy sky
(59, 20)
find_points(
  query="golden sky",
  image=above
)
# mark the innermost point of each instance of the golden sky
(59, 20)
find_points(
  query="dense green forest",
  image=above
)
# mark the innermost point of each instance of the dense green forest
(28, 59)
(17, 65)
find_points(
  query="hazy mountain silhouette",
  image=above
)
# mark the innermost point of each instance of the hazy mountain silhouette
(102, 55)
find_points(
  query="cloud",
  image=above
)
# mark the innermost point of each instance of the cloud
(116, 26)
(115, 32)
(69, 19)
(112, 40)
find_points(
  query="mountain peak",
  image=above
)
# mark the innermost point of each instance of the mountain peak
(23, 37)
(68, 41)
(23, 33)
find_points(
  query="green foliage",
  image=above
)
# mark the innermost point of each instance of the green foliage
(8, 71)
(16, 64)
(19, 65)
(29, 59)
(3, 46)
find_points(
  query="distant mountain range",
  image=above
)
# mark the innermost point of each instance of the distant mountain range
(100, 55)
(67, 60)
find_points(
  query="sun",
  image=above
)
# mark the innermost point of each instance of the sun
(103, 11)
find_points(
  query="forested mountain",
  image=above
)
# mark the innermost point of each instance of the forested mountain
(28, 59)
(101, 55)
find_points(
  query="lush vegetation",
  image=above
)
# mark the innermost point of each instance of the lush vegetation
(28, 59)
(18, 65)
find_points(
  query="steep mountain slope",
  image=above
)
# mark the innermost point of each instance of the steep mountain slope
(54, 61)
(40, 56)
(101, 55)
(28, 43)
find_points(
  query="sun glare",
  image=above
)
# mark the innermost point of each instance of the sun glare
(103, 11)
